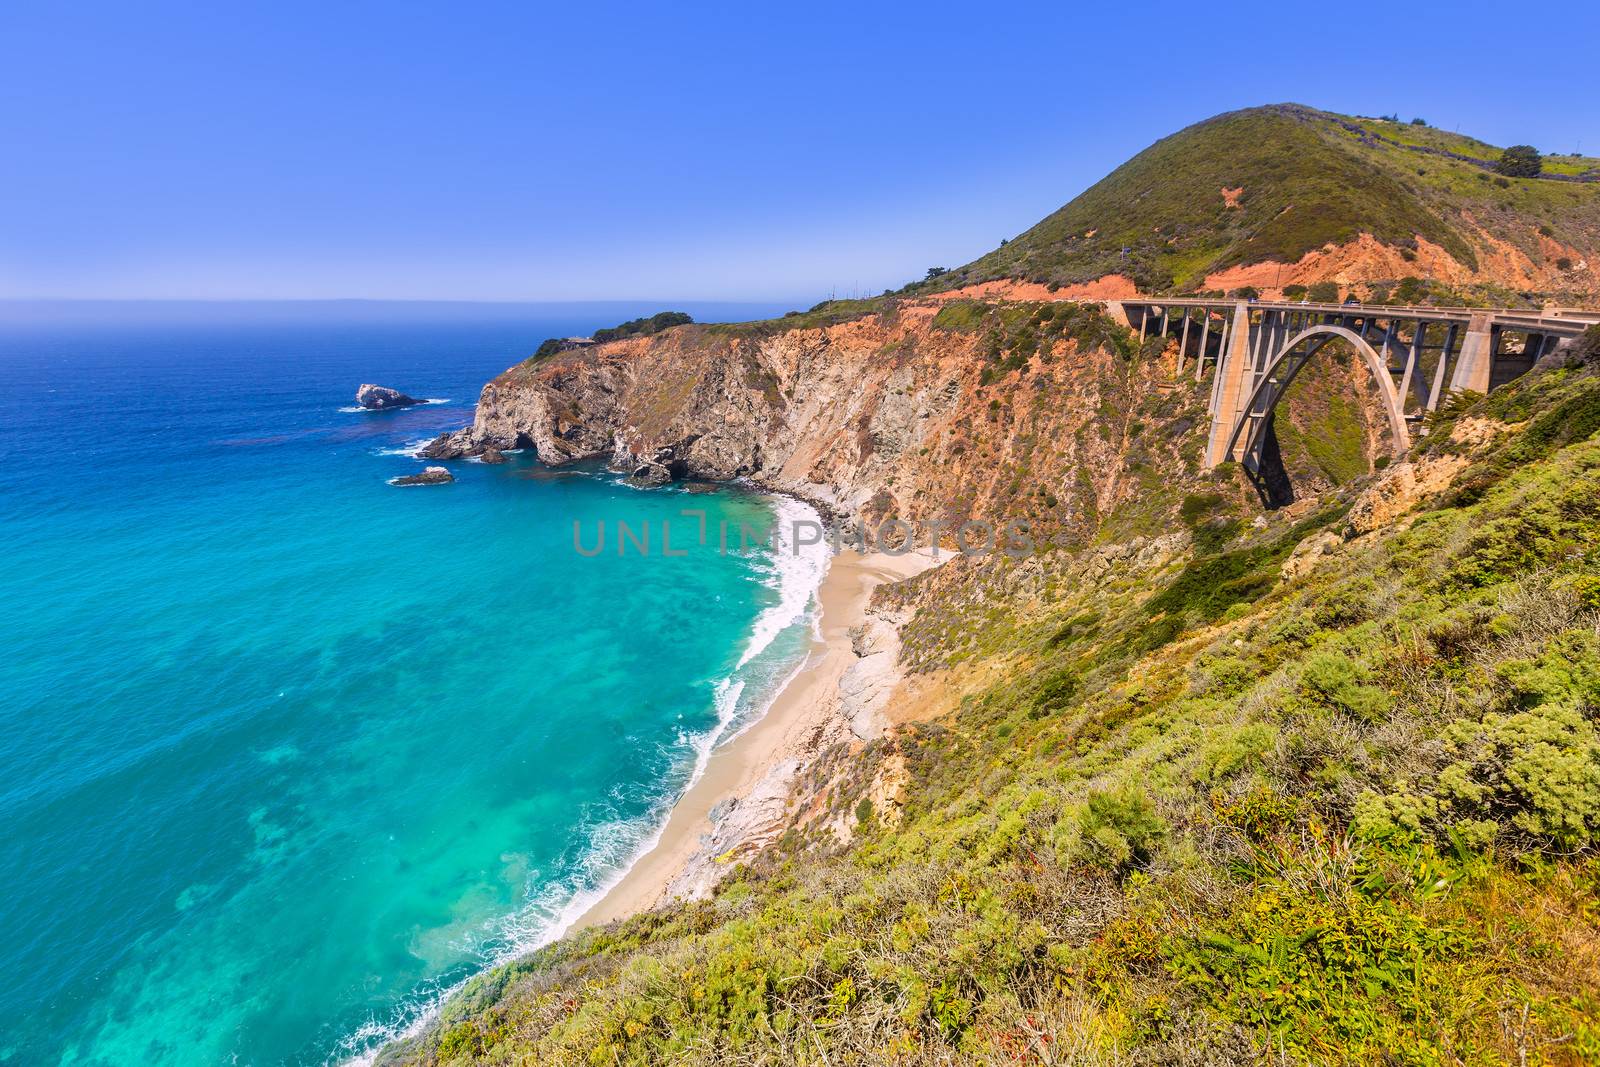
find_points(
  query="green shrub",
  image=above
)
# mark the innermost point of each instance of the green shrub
(1120, 828)
(661, 320)
(864, 811)
(1339, 682)
(1345, 604)
(1230, 750)
(1323, 293)
(1537, 769)
(1520, 161)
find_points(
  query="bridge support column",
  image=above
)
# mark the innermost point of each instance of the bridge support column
(1477, 357)
(1233, 387)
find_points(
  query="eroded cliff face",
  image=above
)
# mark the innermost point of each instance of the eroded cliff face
(888, 415)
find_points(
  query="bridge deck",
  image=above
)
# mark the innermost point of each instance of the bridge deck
(1563, 321)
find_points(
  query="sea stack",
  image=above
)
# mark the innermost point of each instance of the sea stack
(429, 476)
(382, 398)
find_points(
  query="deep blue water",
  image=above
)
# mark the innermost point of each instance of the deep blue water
(286, 750)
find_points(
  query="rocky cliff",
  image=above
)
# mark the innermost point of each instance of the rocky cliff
(920, 411)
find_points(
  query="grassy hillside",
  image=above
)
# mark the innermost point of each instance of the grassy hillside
(1303, 178)
(1193, 808)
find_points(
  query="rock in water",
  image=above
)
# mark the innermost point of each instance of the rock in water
(381, 398)
(492, 455)
(649, 476)
(429, 476)
(456, 445)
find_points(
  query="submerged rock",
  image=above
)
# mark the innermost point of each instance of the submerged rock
(429, 476)
(382, 398)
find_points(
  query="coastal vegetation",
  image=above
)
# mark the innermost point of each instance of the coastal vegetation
(1207, 784)
(640, 327)
(1236, 802)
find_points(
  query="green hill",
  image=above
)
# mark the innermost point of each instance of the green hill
(1305, 178)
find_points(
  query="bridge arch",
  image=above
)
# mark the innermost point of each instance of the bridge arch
(1270, 387)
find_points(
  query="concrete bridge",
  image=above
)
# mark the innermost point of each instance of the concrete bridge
(1417, 355)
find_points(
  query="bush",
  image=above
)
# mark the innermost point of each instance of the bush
(1412, 290)
(1338, 682)
(661, 320)
(1120, 828)
(1294, 292)
(1539, 769)
(1520, 161)
(1324, 293)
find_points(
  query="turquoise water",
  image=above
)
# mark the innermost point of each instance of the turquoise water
(286, 750)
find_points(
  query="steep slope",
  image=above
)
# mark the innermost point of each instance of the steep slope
(1323, 789)
(1350, 200)
(1046, 413)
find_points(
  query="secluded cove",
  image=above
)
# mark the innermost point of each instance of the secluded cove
(290, 750)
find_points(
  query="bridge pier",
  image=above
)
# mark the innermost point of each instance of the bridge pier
(1476, 361)
(1231, 389)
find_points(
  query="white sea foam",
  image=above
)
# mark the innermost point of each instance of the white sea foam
(357, 409)
(616, 846)
(795, 571)
(411, 450)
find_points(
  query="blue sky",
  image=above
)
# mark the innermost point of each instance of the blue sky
(743, 151)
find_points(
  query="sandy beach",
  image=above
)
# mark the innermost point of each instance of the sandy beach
(803, 718)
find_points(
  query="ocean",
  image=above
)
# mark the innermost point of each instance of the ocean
(287, 752)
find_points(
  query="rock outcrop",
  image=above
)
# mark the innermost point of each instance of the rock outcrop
(740, 827)
(382, 398)
(886, 415)
(429, 476)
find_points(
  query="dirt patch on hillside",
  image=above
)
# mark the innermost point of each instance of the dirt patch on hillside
(1366, 260)
(1110, 287)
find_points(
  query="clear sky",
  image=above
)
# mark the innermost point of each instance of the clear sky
(524, 151)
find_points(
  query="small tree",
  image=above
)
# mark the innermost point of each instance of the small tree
(934, 272)
(1520, 161)
(1419, 122)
